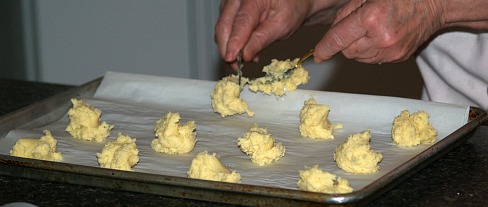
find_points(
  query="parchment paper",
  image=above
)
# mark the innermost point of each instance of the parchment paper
(133, 103)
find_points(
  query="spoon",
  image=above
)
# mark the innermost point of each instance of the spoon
(303, 58)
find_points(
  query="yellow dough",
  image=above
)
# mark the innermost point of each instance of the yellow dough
(173, 138)
(85, 122)
(121, 154)
(316, 180)
(356, 156)
(209, 167)
(226, 97)
(260, 146)
(43, 148)
(276, 81)
(314, 121)
(411, 130)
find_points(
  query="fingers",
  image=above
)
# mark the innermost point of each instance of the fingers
(251, 26)
(364, 51)
(339, 37)
(224, 25)
(245, 22)
(267, 33)
(377, 31)
(347, 9)
(357, 33)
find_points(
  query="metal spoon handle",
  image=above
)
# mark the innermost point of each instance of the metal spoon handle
(304, 57)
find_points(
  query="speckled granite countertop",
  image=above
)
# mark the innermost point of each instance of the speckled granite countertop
(459, 178)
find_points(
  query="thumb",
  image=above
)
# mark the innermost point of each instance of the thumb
(339, 37)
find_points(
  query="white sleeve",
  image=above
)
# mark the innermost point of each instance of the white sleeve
(454, 67)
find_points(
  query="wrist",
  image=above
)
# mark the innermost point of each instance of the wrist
(462, 12)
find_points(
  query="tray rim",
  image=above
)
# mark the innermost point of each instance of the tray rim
(23, 167)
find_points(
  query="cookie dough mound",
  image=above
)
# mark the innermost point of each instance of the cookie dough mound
(314, 121)
(209, 167)
(121, 154)
(277, 80)
(356, 156)
(316, 180)
(85, 122)
(43, 148)
(173, 138)
(411, 130)
(226, 97)
(261, 146)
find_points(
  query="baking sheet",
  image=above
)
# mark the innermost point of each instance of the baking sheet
(133, 103)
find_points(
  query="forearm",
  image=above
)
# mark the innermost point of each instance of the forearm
(464, 13)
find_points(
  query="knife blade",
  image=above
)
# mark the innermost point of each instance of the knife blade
(239, 68)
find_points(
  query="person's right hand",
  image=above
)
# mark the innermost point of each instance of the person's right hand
(379, 31)
(251, 25)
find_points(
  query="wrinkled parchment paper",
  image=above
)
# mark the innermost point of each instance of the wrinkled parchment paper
(133, 103)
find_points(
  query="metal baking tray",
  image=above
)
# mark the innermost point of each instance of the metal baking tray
(52, 108)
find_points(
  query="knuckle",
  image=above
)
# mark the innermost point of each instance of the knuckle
(348, 54)
(220, 25)
(389, 38)
(260, 38)
(219, 29)
(373, 17)
(338, 41)
(385, 34)
(242, 19)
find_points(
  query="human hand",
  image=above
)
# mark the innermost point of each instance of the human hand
(379, 31)
(252, 25)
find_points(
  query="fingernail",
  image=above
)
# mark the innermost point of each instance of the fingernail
(233, 66)
(229, 57)
(255, 59)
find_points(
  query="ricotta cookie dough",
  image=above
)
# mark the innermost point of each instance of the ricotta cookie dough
(226, 97)
(261, 146)
(172, 137)
(356, 156)
(85, 122)
(208, 167)
(316, 180)
(277, 80)
(314, 121)
(121, 154)
(412, 129)
(43, 148)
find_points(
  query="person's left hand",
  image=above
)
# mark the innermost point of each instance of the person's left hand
(379, 31)
(252, 25)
